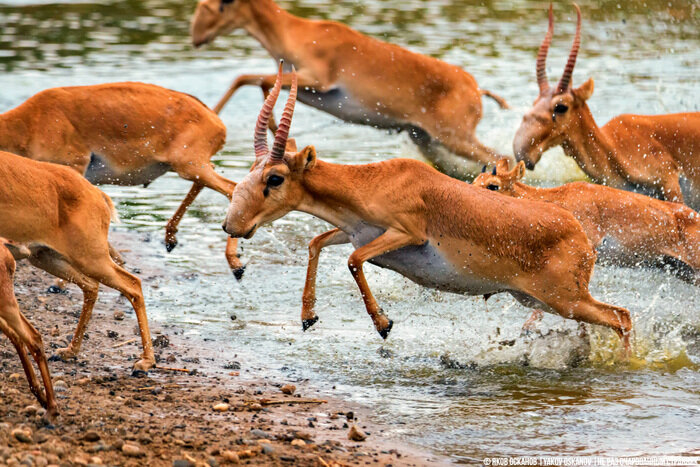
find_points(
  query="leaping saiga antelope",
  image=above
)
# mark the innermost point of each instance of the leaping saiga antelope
(625, 228)
(123, 134)
(64, 221)
(21, 333)
(631, 152)
(441, 233)
(357, 78)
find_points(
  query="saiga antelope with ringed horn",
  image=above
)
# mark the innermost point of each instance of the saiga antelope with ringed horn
(439, 232)
(22, 334)
(357, 78)
(632, 152)
(64, 221)
(625, 228)
(123, 134)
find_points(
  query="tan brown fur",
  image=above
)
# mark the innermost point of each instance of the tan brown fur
(415, 93)
(64, 222)
(441, 233)
(647, 153)
(648, 230)
(139, 131)
(22, 334)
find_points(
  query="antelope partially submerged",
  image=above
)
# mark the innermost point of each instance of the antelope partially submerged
(632, 152)
(625, 228)
(123, 134)
(357, 78)
(64, 221)
(22, 334)
(404, 215)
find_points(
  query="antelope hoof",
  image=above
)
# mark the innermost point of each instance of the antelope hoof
(238, 273)
(385, 332)
(56, 290)
(143, 366)
(51, 414)
(307, 323)
(63, 355)
(170, 245)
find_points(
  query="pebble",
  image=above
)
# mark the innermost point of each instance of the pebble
(255, 407)
(221, 407)
(298, 442)
(83, 381)
(30, 410)
(22, 435)
(92, 436)
(355, 434)
(118, 315)
(55, 332)
(15, 376)
(182, 463)
(60, 386)
(40, 461)
(96, 460)
(131, 450)
(267, 449)
(288, 389)
(229, 456)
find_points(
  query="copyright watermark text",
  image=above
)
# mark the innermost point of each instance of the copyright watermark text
(592, 460)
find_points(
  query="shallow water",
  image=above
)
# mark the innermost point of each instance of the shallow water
(452, 376)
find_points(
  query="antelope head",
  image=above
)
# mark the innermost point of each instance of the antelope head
(556, 110)
(501, 178)
(274, 185)
(213, 18)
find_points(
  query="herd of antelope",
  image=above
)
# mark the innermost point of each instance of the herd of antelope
(495, 235)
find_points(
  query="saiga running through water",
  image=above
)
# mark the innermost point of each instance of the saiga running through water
(357, 78)
(441, 233)
(64, 221)
(123, 134)
(625, 228)
(646, 153)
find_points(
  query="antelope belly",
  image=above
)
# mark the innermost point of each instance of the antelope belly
(341, 104)
(426, 265)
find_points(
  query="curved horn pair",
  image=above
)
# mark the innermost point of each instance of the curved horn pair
(565, 80)
(282, 134)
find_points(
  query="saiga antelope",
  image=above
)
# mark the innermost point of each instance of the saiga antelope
(632, 152)
(625, 228)
(404, 215)
(23, 335)
(64, 221)
(357, 78)
(123, 134)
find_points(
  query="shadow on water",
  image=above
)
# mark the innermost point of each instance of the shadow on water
(455, 375)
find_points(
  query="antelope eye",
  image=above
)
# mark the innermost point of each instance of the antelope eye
(492, 187)
(275, 180)
(560, 108)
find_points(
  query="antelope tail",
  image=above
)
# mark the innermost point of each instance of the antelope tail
(499, 100)
(113, 214)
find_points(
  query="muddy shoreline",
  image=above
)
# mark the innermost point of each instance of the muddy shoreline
(168, 417)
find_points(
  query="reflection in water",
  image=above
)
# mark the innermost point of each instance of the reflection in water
(452, 376)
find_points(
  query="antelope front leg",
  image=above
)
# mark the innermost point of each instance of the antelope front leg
(171, 227)
(388, 241)
(332, 237)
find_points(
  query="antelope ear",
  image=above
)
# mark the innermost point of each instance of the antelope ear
(520, 170)
(585, 91)
(502, 165)
(305, 159)
(291, 145)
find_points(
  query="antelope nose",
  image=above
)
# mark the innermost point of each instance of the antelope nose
(223, 226)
